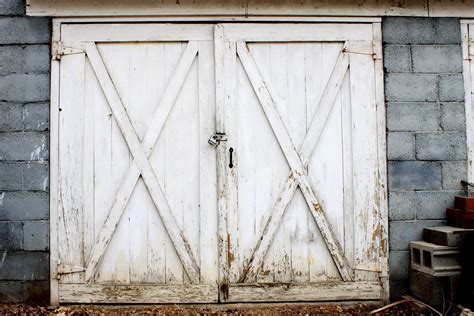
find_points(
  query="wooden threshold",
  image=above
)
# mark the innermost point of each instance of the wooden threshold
(133, 294)
(315, 292)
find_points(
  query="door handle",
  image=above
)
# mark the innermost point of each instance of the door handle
(231, 163)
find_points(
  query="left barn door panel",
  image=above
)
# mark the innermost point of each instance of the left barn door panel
(137, 206)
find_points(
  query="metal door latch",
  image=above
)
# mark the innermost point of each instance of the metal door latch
(216, 138)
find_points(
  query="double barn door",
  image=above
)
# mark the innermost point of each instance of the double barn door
(228, 162)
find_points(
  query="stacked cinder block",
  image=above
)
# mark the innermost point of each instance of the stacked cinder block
(436, 266)
(24, 114)
(426, 140)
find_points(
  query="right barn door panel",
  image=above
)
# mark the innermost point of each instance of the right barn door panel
(305, 171)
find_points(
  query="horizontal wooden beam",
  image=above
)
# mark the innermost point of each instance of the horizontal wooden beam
(244, 8)
(68, 8)
(130, 294)
(320, 292)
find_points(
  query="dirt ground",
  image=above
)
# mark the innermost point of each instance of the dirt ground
(242, 309)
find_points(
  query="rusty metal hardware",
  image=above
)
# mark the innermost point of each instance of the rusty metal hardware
(468, 186)
(216, 138)
(224, 291)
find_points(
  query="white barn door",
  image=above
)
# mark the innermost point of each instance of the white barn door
(289, 205)
(137, 214)
(304, 182)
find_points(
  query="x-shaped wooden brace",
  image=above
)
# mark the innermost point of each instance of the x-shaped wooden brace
(141, 164)
(298, 175)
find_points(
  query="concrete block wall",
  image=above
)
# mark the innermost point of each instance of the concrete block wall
(24, 117)
(426, 141)
(425, 123)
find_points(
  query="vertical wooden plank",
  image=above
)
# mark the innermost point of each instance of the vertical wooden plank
(325, 165)
(348, 181)
(327, 158)
(140, 87)
(116, 58)
(103, 193)
(222, 186)
(317, 251)
(247, 146)
(207, 165)
(157, 235)
(298, 212)
(278, 86)
(233, 233)
(173, 154)
(71, 138)
(314, 89)
(262, 168)
(88, 171)
(365, 144)
(53, 172)
(382, 184)
(189, 159)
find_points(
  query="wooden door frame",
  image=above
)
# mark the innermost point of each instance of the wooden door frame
(54, 120)
(468, 102)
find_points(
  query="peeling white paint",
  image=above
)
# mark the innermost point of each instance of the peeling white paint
(45, 183)
(36, 154)
(4, 256)
(2, 196)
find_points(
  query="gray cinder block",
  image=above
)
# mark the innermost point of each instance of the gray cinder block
(437, 58)
(24, 205)
(436, 260)
(397, 58)
(404, 87)
(36, 176)
(401, 146)
(415, 116)
(24, 265)
(433, 290)
(443, 235)
(12, 7)
(25, 87)
(36, 235)
(441, 146)
(414, 175)
(433, 204)
(402, 205)
(11, 236)
(28, 146)
(399, 262)
(11, 118)
(36, 116)
(451, 88)
(408, 30)
(23, 30)
(453, 173)
(453, 117)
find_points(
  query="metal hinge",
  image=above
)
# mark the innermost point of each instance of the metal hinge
(68, 269)
(216, 138)
(379, 267)
(59, 49)
(360, 50)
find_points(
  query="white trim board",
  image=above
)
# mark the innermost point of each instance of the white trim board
(247, 8)
(467, 66)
